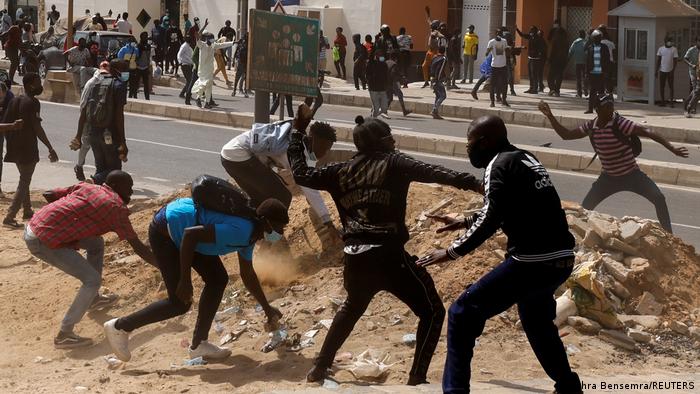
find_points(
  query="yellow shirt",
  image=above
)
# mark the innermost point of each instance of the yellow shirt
(471, 41)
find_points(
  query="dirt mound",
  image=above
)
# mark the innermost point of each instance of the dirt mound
(304, 280)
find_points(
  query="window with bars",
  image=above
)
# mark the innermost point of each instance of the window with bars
(636, 44)
(695, 25)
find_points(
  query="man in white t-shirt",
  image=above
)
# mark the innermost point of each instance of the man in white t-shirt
(666, 60)
(499, 71)
(122, 24)
(250, 158)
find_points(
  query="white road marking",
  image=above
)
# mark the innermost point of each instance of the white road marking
(152, 178)
(174, 146)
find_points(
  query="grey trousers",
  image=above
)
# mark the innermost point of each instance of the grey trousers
(380, 102)
(468, 68)
(87, 270)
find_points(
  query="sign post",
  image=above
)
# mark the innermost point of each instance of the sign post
(262, 97)
(283, 54)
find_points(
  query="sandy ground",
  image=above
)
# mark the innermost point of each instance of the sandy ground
(34, 297)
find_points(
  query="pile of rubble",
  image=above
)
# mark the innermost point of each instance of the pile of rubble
(632, 281)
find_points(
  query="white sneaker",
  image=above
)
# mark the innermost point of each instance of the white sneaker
(118, 340)
(385, 116)
(209, 351)
(688, 114)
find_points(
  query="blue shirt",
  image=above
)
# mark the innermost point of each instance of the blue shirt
(232, 232)
(577, 51)
(597, 67)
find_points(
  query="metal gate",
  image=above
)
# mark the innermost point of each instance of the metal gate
(577, 18)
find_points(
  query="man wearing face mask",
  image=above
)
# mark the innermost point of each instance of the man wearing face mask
(666, 60)
(249, 159)
(370, 192)
(185, 237)
(76, 218)
(202, 89)
(520, 198)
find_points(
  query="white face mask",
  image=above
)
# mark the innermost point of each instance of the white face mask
(669, 44)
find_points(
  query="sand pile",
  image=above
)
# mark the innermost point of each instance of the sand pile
(304, 280)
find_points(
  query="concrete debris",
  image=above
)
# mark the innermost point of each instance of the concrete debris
(639, 335)
(617, 256)
(319, 309)
(584, 325)
(371, 326)
(647, 305)
(603, 228)
(619, 339)
(694, 332)
(619, 290)
(647, 321)
(592, 239)
(679, 327)
(616, 269)
(232, 336)
(566, 307)
(311, 333)
(298, 288)
(578, 225)
(631, 231)
(409, 339)
(616, 244)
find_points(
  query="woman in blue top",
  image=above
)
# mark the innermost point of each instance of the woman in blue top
(183, 238)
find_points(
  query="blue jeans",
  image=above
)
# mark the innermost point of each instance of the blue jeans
(106, 155)
(70, 261)
(531, 286)
(440, 95)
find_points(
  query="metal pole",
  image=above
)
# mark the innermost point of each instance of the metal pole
(262, 99)
(69, 36)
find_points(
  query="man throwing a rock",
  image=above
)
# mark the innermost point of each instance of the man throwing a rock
(370, 192)
(520, 199)
(76, 218)
(612, 136)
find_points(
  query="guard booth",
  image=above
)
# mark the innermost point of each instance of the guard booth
(642, 27)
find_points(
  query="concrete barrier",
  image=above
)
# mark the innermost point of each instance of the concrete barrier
(58, 88)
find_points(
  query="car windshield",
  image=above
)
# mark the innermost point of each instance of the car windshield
(113, 43)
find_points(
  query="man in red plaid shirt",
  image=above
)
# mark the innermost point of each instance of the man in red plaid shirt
(75, 218)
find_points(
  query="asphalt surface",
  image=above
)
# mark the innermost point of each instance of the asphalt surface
(450, 127)
(166, 154)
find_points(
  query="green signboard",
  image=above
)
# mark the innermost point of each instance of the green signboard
(283, 54)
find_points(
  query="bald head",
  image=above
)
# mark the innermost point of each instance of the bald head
(487, 136)
(489, 127)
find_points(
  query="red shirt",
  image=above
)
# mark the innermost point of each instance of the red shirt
(342, 42)
(616, 157)
(82, 211)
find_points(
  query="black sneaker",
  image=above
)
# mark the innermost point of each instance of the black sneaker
(317, 374)
(79, 173)
(70, 341)
(11, 223)
(103, 301)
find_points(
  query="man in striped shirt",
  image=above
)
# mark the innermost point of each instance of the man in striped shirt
(610, 136)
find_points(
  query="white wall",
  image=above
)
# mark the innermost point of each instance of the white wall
(218, 11)
(355, 17)
(79, 6)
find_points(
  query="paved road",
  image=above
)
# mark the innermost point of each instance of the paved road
(451, 127)
(166, 154)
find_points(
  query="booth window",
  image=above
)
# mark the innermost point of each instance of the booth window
(636, 44)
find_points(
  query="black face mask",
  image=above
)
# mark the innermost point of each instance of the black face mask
(480, 158)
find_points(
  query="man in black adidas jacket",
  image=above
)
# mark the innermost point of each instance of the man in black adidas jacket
(370, 192)
(520, 199)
